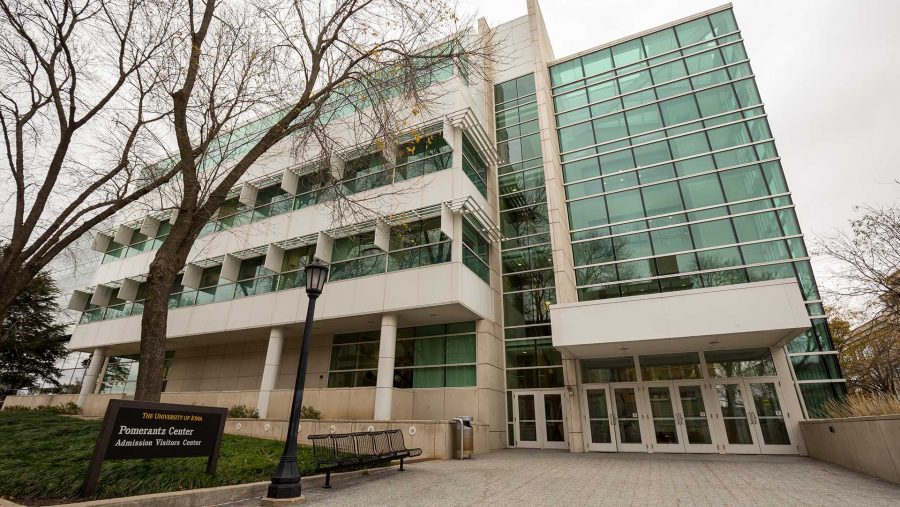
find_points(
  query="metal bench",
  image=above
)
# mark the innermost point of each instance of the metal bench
(338, 452)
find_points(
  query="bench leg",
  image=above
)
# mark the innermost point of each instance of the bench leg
(401, 465)
(327, 480)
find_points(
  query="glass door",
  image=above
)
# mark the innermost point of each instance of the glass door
(663, 415)
(525, 419)
(694, 419)
(735, 417)
(539, 419)
(599, 423)
(767, 419)
(554, 421)
(626, 419)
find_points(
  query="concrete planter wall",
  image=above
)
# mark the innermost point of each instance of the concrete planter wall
(870, 445)
(435, 438)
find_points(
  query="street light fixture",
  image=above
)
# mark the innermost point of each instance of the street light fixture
(286, 479)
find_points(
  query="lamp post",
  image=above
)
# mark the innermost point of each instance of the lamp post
(286, 479)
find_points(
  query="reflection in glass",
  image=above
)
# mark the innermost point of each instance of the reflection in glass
(694, 411)
(553, 417)
(734, 415)
(663, 415)
(527, 423)
(768, 411)
(627, 413)
(598, 416)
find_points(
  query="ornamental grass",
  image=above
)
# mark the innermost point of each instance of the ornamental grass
(862, 405)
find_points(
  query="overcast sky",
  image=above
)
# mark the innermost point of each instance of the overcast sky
(828, 72)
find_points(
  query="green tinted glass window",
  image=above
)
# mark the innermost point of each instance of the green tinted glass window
(632, 245)
(663, 198)
(588, 213)
(660, 42)
(616, 161)
(694, 31)
(627, 53)
(717, 100)
(675, 239)
(701, 191)
(609, 128)
(747, 93)
(566, 72)
(597, 62)
(644, 119)
(757, 226)
(723, 22)
(625, 206)
(679, 110)
(714, 233)
(743, 183)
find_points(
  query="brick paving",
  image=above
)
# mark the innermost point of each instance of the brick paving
(532, 477)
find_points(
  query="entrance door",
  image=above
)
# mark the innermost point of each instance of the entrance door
(539, 419)
(752, 416)
(693, 418)
(599, 423)
(664, 417)
(627, 418)
(525, 419)
(768, 419)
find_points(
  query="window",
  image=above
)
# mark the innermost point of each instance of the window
(354, 360)
(475, 251)
(740, 363)
(423, 155)
(293, 273)
(440, 355)
(417, 244)
(356, 256)
(474, 166)
(670, 367)
(365, 173)
(121, 373)
(613, 369)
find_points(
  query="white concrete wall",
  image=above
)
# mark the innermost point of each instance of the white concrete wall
(408, 195)
(448, 283)
(870, 445)
(746, 315)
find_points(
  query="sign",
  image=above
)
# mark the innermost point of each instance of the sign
(143, 429)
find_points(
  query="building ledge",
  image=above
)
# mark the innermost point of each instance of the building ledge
(768, 313)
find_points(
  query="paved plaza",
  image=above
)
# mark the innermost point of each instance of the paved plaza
(526, 477)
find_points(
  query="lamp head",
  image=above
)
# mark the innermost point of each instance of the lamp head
(316, 273)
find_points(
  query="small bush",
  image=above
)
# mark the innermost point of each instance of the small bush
(310, 413)
(243, 412)
(862, 405)
(69, 408)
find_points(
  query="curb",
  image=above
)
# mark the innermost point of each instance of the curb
(210, 496)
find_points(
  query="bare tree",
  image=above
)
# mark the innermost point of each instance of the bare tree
(76, 82)
(869, 353)
(245, 79)
(865, 276)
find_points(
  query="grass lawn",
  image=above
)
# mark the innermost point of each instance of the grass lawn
(45, 457)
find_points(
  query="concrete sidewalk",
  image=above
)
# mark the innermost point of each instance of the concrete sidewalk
(525, 477)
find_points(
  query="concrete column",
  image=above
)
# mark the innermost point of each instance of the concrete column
(270, 370)
(384, 386)
(100, 377)
(90, 376)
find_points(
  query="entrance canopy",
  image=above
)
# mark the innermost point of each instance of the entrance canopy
(760, 314)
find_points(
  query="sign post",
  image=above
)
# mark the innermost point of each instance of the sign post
(142, 429)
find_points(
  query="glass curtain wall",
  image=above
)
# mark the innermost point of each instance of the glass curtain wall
(673, 180)
(527, 269)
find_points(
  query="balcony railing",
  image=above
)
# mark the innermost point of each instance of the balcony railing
(287, 203)
(407, 258)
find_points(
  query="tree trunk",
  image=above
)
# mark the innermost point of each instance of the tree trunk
(169, 260)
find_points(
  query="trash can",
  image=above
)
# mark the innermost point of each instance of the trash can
(463, 437)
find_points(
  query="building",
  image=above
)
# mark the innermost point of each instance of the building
(601, 253)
